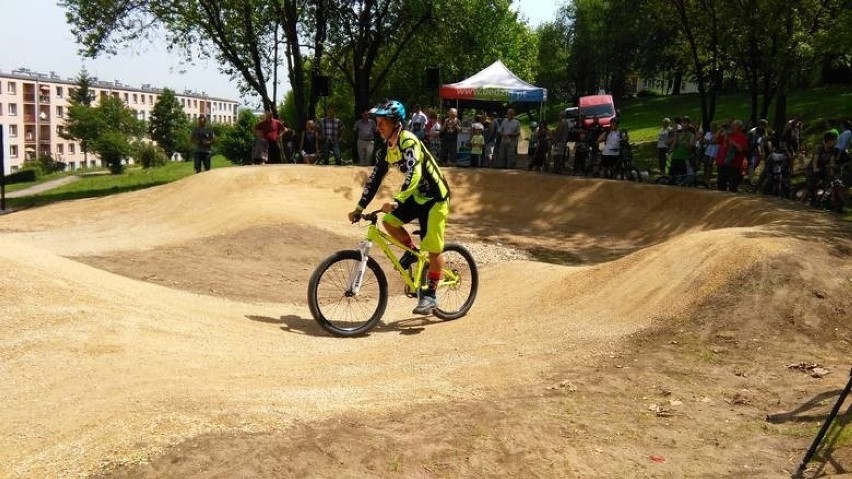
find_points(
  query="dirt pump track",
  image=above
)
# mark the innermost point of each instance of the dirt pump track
(140, 329)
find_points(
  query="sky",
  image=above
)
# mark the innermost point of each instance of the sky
(34, 35)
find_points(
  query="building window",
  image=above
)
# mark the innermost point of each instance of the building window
(13, 131)
(60, 92)
(59, 129)
(60, 149)
(72, 148)
(135, 98)
(150, 99)
(60, 111)
(183, 102)
(13, 109)
(72, 166)
(1, 109)
(13, 151)
(13, 88)
(195, 103)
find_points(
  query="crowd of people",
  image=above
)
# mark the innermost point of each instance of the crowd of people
(730, 149)
(736, 152)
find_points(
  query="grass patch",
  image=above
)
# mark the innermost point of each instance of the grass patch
(134, 178)
(820, 107)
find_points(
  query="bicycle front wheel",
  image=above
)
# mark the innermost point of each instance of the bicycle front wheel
(335, 307)
(459, 283)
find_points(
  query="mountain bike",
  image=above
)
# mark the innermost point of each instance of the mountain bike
(348, 292)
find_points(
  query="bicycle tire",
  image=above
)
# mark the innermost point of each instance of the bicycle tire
(450, 295)
(339, 301)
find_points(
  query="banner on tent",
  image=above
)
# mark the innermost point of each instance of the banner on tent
(493, 94)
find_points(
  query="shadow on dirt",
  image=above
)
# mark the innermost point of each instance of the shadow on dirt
(292, 323)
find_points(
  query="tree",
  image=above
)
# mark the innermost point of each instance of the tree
(168, 125)
(81, 96)
(110, 129)
(235, 141)
(242, 35)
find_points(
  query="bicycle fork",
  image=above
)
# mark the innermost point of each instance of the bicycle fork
(356, 276)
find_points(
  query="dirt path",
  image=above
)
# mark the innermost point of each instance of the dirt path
(172, 322)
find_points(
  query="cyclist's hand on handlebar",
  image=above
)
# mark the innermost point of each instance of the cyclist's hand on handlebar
(388, 207)
(354, 216)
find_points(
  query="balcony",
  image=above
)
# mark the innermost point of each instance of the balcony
(29, 97)
(29, 118)
(44, 98)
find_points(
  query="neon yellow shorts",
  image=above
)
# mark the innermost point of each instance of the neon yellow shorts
(433, 221)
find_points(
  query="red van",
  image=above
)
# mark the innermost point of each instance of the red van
(598, 108)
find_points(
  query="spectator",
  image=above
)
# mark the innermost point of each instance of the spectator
(734, 162)
(259, 150)
(450, 137)
(711, 148)
(582, 150)
(793, 133)
(756, 138)
(365, 132)
(270, 129)
(841, 153)
(560, 142)
(509, 132)
(434, 134)
(492, 139)
(612, 148)
(543, 137)
(532, 145)
(288, 137)
(417, 125)
(682, 144)
(663, 137)
(477, 145)
(309, 142)
(203, 137)
(331, 129)
(818, 169)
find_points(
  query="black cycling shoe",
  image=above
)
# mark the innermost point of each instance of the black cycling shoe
(407, 260)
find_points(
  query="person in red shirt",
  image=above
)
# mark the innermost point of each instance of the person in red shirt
(731, 158)
(270, 129)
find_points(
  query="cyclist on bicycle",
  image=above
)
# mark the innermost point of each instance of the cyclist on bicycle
(424, 195)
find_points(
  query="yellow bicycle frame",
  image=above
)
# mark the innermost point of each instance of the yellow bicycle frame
(384, 242)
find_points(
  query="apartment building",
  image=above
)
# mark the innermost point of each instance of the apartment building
(33, 109)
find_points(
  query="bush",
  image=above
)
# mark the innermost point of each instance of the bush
(22, 176)
(648, 93)
(151, 156)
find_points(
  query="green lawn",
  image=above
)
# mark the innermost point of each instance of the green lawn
(820, 107)
(94, 185)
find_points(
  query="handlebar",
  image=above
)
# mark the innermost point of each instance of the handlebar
(372, 217)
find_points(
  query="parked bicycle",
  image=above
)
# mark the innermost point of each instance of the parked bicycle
(829, 196)
(690, 180)
(624, 169)
(348, 292)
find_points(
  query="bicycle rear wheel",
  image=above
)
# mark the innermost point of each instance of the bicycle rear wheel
(332, 303)
(459, 284)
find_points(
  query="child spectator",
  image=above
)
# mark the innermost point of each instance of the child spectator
(477, 145)
(260, 149)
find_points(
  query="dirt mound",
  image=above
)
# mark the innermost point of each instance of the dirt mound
(107, 369)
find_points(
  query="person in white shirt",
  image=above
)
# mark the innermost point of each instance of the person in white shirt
(417, 124)
(509, 132)
(611, 149)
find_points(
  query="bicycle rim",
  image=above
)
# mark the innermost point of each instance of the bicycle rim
(334, 307)
(459, 285)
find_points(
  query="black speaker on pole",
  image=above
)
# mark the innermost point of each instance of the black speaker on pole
(433, 77)
(321, 85)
